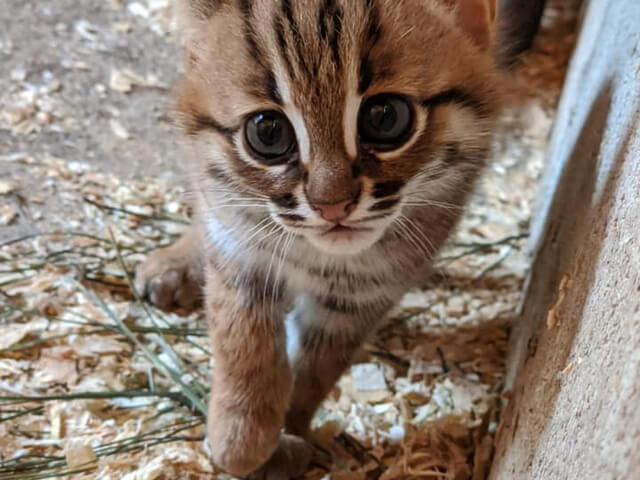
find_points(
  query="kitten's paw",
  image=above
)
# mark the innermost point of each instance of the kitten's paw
(170, 277)
(238, 444)
(290, 460)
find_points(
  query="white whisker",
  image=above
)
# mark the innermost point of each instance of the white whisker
(423, 235)
(416, 241)
(282, 237)
(283, 254)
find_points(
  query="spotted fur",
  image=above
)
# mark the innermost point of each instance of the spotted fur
(261, 230)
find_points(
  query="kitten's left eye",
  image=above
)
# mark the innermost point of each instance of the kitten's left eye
(385, 121)
(270, 136)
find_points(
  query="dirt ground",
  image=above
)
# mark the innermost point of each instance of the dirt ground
(57, 58)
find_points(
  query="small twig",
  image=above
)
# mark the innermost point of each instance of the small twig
(22, 413)
(359, 451)
(161, 341)
(443, 360)
(502, 241)
(41, 341)
(179, 332)
(159, 364)
(158, 218)
(473, 248)
(383, 354)
(54, 466)
(18, 399)
(52, 234)
(495, 264)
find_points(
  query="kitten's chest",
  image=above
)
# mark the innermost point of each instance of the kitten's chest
(369, 276)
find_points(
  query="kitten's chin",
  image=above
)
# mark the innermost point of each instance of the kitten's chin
(344, 242)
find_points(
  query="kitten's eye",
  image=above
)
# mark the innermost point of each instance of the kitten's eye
(385, 121)
(270, 136)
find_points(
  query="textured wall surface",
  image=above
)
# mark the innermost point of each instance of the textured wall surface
(575, 366)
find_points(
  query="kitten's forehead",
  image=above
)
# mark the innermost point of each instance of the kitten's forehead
(320, 50)
(316, 60)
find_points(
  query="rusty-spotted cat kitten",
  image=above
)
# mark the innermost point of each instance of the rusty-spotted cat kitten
(332, 145)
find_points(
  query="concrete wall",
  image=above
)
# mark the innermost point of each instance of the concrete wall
(575, 365)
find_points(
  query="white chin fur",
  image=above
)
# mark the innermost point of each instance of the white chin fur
(350, 243)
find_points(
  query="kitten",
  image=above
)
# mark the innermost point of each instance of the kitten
(332, 145)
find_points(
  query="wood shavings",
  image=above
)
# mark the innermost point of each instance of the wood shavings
(138, 9)
(124, 81)
(87, 30)
(119, 130)
(56, 418)
(7, 186)
(8, 214)
(566, 370)
(54, 370)
(368, 377)
(78, 454)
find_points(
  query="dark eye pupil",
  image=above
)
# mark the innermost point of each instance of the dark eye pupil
(269, 130)
(270, 137)
(385, 121)
(383, 117)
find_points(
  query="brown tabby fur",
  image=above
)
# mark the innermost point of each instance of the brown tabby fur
(254, 243)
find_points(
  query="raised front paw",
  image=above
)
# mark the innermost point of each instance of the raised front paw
(290, 460)
(171, 277)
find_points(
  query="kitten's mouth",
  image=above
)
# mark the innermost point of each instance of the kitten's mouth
(340, 239)
(342, 229)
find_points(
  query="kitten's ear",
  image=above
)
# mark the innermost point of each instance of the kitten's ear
(478, 19)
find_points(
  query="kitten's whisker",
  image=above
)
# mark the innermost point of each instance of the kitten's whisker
(300, 225)
(268, 275)
(233, 194)
(253, 231)
(241, 199)
(370, 218)
(283, 254)
(432, 205)
(242, 205)
(427, 202)
(236, 192)
(423, 235)
(410, 229)
(407, 234)
(246, 241)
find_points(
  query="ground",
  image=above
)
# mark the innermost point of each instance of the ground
(94, 382)
(58, 60)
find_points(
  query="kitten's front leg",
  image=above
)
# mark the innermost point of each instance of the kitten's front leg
(322, 343)
(251, 378)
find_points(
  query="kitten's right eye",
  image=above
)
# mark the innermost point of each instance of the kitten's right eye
(270, 136)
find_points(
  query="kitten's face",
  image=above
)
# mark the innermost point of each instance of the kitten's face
(338, 117)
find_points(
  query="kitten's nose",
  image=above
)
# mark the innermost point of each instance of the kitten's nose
(335, 212)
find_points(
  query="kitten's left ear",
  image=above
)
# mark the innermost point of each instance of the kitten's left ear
(478, 19)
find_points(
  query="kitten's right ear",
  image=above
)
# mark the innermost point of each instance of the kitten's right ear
(478, 18)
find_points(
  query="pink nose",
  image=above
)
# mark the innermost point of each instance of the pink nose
(334, 212)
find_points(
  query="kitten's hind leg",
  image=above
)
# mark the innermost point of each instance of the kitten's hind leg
(173, 276)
